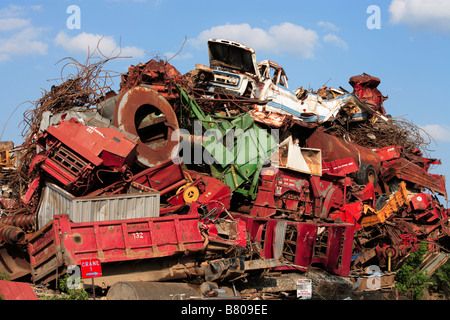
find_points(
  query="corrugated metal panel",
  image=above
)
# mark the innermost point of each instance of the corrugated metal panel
(278, 244)
(55, 200)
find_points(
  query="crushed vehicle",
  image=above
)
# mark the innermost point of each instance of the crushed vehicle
(234, 70)
(215, 178)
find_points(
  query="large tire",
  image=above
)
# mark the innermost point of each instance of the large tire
(366, 174)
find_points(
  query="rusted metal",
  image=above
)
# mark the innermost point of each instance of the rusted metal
(157, 142)
(22, 221)
(432, 261)
(14, 261)
(171, 268)
(6, 145)
(365, 87)
(5, 159)
(127, 148)
(164, 177)
(273, 120)
(215, 101)
(335, 148)
(229, 268)
(404, 169)
(11, 234)
(153, 72)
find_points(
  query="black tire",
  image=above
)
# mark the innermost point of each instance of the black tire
(366, 174)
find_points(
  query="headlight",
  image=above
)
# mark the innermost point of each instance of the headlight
(226, 79)
(233, 81)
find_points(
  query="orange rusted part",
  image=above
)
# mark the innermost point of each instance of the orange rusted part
(335, 148)
(152, 72)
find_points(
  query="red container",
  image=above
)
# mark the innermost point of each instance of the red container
(388, 153)
(64, 242)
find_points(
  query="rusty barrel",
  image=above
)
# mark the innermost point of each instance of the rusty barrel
(145, 113)
(143, 290)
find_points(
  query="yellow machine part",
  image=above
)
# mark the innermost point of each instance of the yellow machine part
(393, 205)
(5, 159)
(190, 194)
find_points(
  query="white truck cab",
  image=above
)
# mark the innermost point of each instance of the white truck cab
(237, 72)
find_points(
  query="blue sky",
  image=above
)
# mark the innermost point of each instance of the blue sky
(317, 42)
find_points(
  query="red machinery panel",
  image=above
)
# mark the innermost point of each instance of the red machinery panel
(340, 167)
(164, 177)
(406, 170)
(10, 290)
(296, 194)
(73, 150)
(301, 244)
(389, 153)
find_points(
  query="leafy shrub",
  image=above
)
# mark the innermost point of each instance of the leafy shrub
(407, 277)
(71, 294)
(5, 276)
(441, 280)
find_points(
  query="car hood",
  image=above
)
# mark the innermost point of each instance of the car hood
(232, 55)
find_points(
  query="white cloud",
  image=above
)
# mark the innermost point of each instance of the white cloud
(328, 25)
(8, 24)
(431, 15)
(12, 11)
(335, 40)
(286, 37)
(88, 42)
(37, 7)
(438, 132)
(18, 36)
(23, 42)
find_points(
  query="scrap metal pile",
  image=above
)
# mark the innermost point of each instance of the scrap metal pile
(214, 175)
